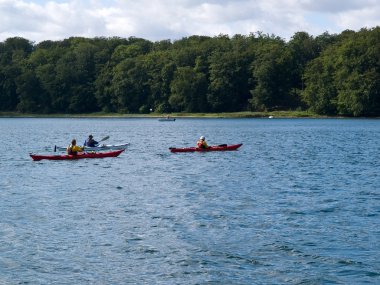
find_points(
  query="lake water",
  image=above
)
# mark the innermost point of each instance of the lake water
(298, 203)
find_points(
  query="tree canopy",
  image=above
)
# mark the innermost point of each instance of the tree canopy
(335, 74)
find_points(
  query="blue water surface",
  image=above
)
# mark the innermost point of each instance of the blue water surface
(298, 203)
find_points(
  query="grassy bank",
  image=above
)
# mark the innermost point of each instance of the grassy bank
(274, 114)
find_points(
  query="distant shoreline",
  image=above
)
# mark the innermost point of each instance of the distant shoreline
(274, 114)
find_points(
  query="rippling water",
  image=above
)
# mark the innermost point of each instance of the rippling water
(299, 203)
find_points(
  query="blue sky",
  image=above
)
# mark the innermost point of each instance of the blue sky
(39, 20)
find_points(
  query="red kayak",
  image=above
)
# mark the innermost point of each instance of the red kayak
(222, 147)
(81, 155)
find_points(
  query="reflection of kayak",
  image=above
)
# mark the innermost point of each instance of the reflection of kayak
(223, 147)
(81, 155)
(166, 119)
(97, 148)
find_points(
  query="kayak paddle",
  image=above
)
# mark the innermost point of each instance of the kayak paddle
(104, 139)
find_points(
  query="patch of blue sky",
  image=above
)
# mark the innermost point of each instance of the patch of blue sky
(321, 21)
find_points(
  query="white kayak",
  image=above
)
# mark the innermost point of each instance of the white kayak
(98, 148)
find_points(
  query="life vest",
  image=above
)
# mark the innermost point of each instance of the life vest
(200, 144)
(71, 150)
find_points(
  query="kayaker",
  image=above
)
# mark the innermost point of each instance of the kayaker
(73, 148)
(201, 143)
(91, 142)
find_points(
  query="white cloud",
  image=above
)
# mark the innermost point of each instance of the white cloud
(40, 20)
(329, 6)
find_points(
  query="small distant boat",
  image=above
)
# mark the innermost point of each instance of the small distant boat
(166, 119)
(270, 117)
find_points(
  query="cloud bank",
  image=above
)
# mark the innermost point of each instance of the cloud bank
(173, 19)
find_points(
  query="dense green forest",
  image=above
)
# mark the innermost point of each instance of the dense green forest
(328, 74)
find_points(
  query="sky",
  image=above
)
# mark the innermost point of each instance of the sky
(155, 20)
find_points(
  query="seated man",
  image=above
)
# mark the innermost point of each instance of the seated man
(202, 142)
(73, 148)
(90, 142)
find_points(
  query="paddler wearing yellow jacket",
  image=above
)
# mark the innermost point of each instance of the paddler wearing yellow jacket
(73, 148)
(201, 143)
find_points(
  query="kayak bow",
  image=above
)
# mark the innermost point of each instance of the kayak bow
(37, 157)
(211, 148)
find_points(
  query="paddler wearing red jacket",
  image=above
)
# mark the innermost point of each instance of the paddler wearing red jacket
(73, 148)
(201, 143)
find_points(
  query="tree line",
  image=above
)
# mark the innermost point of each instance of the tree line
(330, 74)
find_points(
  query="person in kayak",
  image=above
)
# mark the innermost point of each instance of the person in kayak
(91, 142)
(201, 143)
(73, 148)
